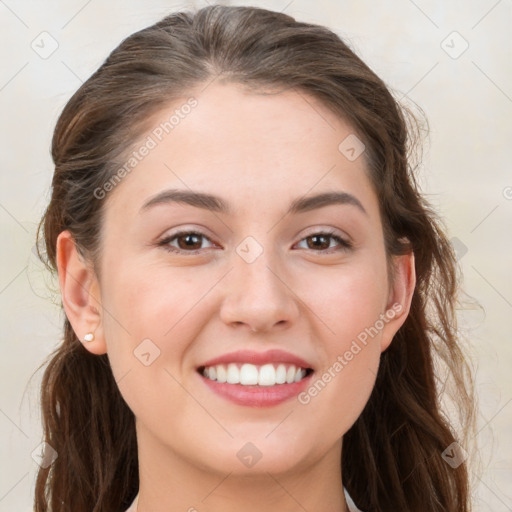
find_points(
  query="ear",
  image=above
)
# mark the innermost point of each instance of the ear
(80, 293)
(400, 297)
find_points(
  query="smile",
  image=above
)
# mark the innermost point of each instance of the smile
(256, 379)
(248, 374)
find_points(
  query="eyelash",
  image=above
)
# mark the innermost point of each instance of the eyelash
(345, 245)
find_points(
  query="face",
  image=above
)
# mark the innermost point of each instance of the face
(271, 282)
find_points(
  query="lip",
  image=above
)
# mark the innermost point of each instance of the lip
(258, 358)
(257, 396)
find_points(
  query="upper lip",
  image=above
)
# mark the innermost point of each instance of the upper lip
(258, 358)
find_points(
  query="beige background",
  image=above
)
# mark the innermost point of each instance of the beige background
(466, 174)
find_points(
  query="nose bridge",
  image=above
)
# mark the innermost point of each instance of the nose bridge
(257, 294)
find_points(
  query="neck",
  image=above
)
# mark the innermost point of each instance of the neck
(169, 482)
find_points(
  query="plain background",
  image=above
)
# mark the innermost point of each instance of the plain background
(453, 58)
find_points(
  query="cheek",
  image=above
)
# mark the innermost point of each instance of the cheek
(150, 303)
(347, 300)
(138, 307)
(350, 309)
(147, 333)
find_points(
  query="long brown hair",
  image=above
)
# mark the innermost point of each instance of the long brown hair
(392, 456)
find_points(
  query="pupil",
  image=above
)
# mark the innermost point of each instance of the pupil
(189, 240)
(316, 238)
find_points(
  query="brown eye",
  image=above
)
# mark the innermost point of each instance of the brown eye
(321, 242)
(189, 241)
(184, 241)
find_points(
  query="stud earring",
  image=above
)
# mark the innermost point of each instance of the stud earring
(89, 336)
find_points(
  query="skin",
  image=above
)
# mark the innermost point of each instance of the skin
(258, 152)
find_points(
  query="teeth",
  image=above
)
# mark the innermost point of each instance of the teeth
(250, 375)
(233, 374)
(221, 374)
(300, 374)
(290, 375)
(267, 376)
(281, 374)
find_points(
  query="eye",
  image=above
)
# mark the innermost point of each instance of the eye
(321, 242)
(191, 242)
(184, 241)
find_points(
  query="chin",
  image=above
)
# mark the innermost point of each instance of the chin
(253, 456)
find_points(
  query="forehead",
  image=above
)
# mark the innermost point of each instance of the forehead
(250, 147)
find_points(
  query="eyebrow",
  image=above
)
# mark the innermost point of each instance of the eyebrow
(217, 204)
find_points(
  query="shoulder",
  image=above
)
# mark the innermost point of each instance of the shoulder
(133, 506)
(351, 505)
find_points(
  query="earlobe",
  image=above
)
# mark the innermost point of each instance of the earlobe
(80, 294)
(400, 297)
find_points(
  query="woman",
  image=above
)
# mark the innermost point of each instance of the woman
(256, 294)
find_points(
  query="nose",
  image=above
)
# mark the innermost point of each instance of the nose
(258, 296)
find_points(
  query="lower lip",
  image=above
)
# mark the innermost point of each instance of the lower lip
(257, 396)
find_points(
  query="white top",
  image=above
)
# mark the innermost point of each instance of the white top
(350, 503)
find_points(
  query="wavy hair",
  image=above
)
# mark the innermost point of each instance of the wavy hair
(392, 456)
